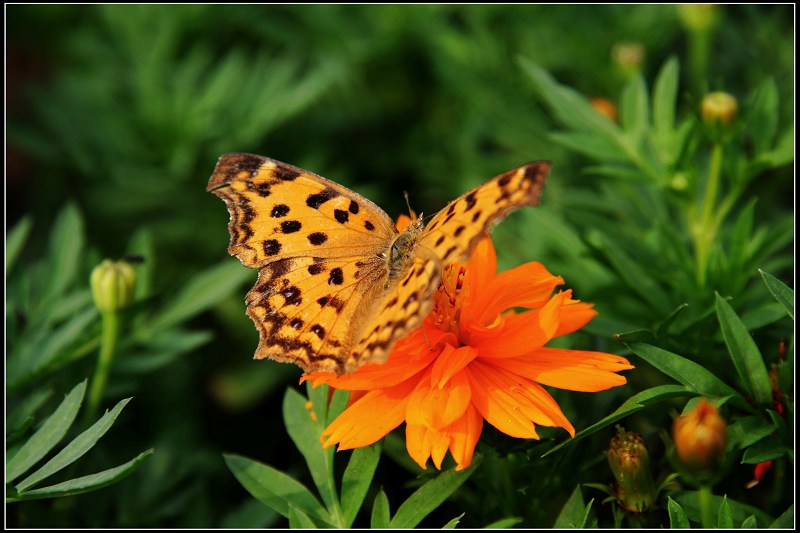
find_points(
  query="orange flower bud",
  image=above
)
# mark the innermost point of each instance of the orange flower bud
(719, 108)
(630, 463)
(605, 108)
(700, 437)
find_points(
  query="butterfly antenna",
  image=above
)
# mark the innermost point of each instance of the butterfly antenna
(408, 204)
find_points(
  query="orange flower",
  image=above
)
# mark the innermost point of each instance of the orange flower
(472, 360)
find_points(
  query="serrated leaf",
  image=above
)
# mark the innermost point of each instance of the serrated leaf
(357, 479)
(87, 483)
(631, 405)
(15, 241)
(571, 514)
(780, 291)
(274, 488)
(46, 438)
(304, 426)
(380, 511)
(682, 370)
(429, 496)
(677, 516)
(75, 449)
(744, 353)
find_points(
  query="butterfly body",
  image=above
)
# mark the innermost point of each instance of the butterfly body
(338, 284)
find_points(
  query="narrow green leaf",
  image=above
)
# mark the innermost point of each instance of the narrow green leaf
(590, 145)
(665, 93)
(65, 251)
(357, 479)
(300, 520)
(52, 431)
(504, 523)
(785, 520)
(780, 291)
(682, 370)
(745, 355)
(25, 410)
(571, 515)
(633, 404)
(724, 518)
(747, 431)
(750, 523)
(690, 501)
(635, 110)
(454, 522)
(677, 516)
(429, 496)
(305, 426)
(87, 483)
(380, 511)
(274, 488)
(203, 291)
(763, 123)
(15, 241)
(764, 450)
(75, 449)
(742, 234)
(664, 326)
(586, 514)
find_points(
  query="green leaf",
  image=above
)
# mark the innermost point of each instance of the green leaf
(274, 488)
(75, 449)
(750, 523)
(380, 511)
(690, 501)
(785, 520)
(87, 483)
(203, 291)
(763, 123)
(764, 450)
(454, 522)
(724, 518)
(15, 241)
(45, 439)
(504, 523)
(745, 355)
(65, 252)
(305, 432)
(665, 92)
(22, 414)
(429, 496)
(635, 110)
(633, 404)
(747, 431)
(677, 516)
(357, 479)
(780, 291)
(571, 515)
(300, 520)
(682, 370)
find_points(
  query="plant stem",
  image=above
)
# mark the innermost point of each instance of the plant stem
(706, 507)
(705, 229)
(108, 347)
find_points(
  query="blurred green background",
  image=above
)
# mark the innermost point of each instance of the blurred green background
(122, 111)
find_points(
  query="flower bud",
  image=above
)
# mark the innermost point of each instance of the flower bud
(605, 108)
(698, 17)
(700, 437)
(628, 57)
(630, 463)
(113, 284)
(718, 108)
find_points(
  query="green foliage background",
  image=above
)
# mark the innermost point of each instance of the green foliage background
(116, 116)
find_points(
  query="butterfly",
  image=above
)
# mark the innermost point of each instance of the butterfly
(338, 284)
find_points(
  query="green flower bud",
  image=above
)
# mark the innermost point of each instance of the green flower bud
(630, 463)
(628, 57)
(698, 17)
(113, 284)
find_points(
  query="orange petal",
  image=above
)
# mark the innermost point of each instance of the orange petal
(423, 442)
(464, 435)
(574, 316)
(450, 361)
(370, 418)
(436, 407)
(512, 403)
(569, 369)
(529, 285)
